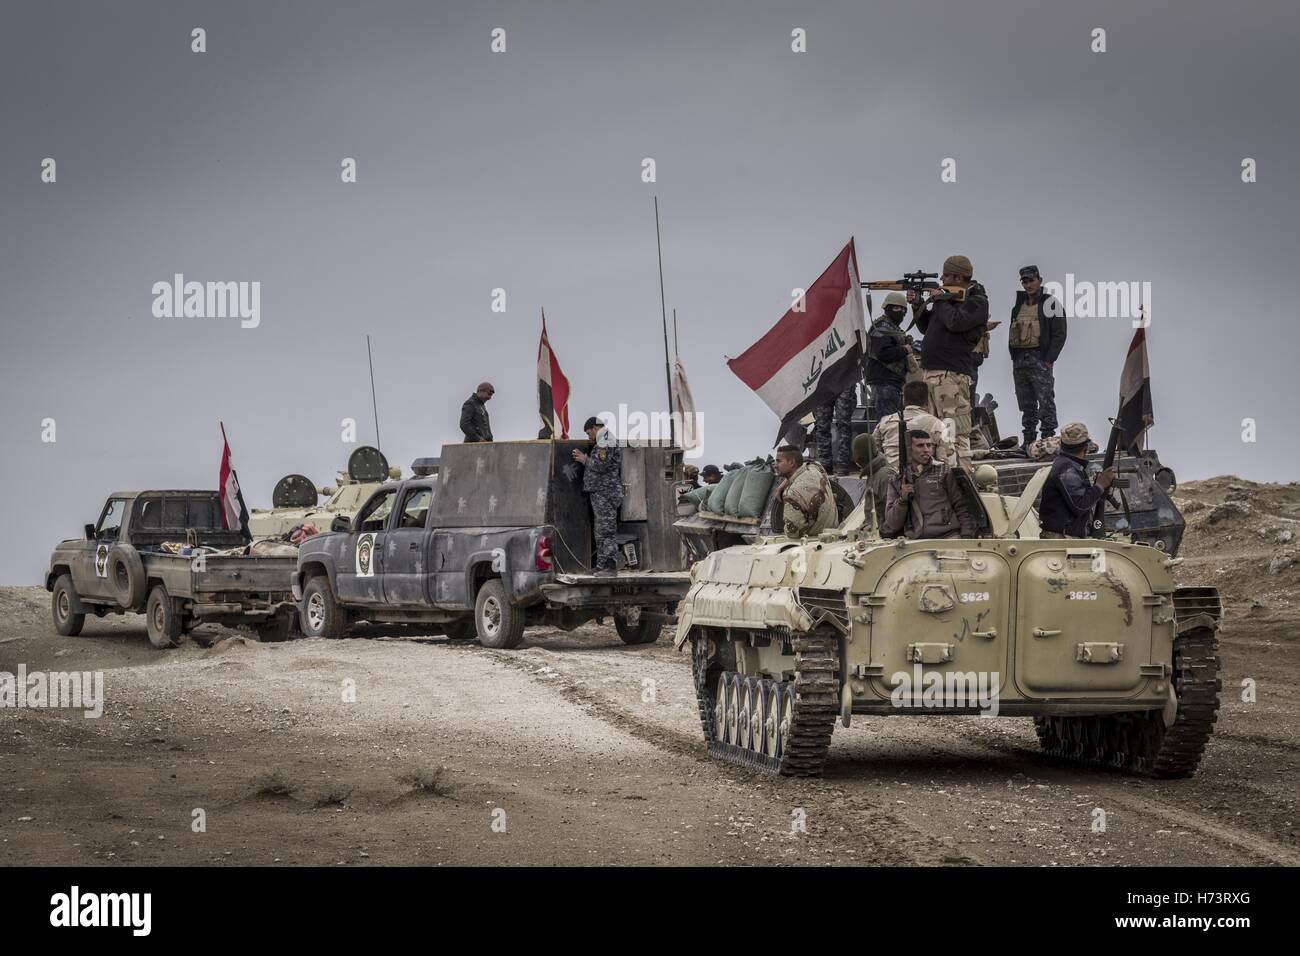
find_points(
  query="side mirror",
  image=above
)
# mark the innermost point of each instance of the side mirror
(341, 524)
(90, 532)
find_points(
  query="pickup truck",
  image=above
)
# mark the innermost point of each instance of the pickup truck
(500, 539)
(121, 565)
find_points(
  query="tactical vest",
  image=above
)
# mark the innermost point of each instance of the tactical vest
(1025, 329)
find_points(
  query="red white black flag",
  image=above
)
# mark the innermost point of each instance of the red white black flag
(814, 353)
(234, 513)
(552, 390)
(1135, 415)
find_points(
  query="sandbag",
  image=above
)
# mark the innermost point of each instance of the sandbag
(734, 492)
(758, 485)
(717, 500)
(697, 496)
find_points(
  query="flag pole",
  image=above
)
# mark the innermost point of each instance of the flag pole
(373, 403)
(663, 311)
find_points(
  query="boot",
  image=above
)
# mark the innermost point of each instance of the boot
(1030, 438)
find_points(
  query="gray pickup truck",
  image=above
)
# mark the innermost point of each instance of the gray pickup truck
(122, 564)
(500, 539)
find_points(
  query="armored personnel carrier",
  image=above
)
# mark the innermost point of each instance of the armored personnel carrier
(294, 500)
(1091, 638)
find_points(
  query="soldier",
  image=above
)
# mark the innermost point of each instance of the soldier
(808, 502)
(602, 480)
(926, 502)
(1068, 497)
(887, 350)
(916, 400)
(1036, 337)
(874, 469)
(952, 330)
(710, 474)
(474, 414)
(692, 475)
(835, 456)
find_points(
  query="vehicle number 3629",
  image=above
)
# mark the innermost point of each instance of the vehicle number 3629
(1083, 596)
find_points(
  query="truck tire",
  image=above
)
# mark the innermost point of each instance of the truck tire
(321, 615)
(126, 576)
(275, 630)
(460, 631)
(161, 618)
(66, 621)
(645, 631)
(500, 624)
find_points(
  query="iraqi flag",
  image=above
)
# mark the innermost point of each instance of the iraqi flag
(234, 513)
(810, 356)
(552, 390)
(1135, 415)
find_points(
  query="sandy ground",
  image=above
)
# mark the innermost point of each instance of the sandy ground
(578, 749)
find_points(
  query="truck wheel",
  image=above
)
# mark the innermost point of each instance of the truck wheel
(321, 615)
(275, 630)
(161, 618)
(645, 630)
(460, 631)
(66, 621)
(126, 576)
(500, 624)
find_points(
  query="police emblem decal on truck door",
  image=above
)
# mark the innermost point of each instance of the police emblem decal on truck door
(365, 556)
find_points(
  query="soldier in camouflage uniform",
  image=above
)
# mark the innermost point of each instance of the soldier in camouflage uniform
(602, 480)
(807, 501)
(952, 329)
(835, 456)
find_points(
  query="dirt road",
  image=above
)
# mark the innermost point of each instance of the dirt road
(574, 749)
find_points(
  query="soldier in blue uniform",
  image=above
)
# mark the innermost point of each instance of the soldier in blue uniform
(602, 480)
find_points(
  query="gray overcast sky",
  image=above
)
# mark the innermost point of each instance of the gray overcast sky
(522, 171)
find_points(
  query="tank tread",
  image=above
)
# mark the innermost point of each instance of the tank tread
(1141, 743)
(814, 708)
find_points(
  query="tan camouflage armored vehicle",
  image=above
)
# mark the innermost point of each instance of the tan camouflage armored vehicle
(294, 499)
(1090, 637)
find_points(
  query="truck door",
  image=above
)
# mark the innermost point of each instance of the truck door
(91, 579)
(359, 580)
(405, 565)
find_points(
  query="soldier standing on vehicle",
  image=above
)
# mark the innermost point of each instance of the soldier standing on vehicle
(602, 480)
(916, 400)
(1036, 337)
(835, 455)
(926, 502)
(952, 329)
(1068, 497)
(807, 500)
(887, 349)
(474, 414)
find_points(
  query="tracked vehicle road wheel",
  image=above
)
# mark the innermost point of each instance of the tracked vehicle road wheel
(1141, 743)
(781, 727)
